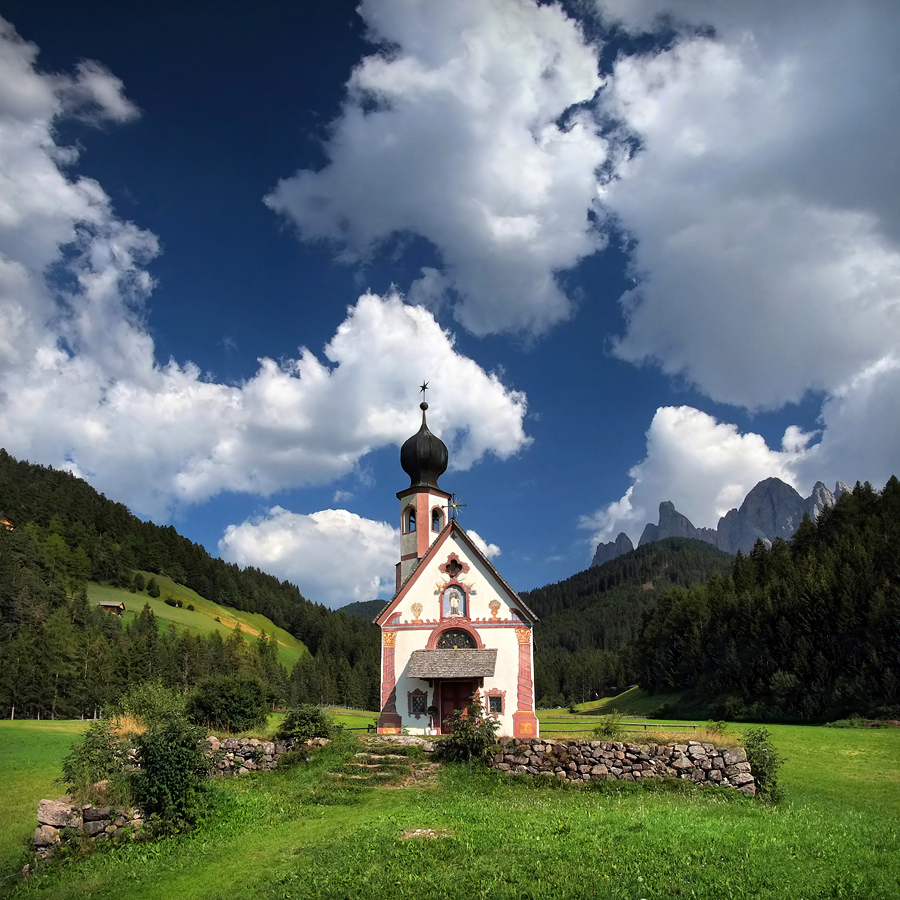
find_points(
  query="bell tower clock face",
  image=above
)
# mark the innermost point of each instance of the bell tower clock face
(456, 639)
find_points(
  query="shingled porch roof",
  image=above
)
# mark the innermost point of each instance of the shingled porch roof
(452, 663)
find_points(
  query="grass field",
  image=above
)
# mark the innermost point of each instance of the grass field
(205, 618)
(30, 756)
(293, 834)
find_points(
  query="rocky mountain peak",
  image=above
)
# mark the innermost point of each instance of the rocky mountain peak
(772, 509)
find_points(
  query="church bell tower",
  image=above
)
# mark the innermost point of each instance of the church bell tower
(423, 505)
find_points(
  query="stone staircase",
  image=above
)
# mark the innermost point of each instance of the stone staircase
(388, 761)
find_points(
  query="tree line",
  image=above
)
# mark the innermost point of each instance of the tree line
(590, 622)
(804, 630)
(59, 656)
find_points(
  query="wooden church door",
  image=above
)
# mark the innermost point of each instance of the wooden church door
(454, 695)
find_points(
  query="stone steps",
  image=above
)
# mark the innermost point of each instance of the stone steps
(386, 762)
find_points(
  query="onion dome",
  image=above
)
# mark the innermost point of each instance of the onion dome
(423, 456)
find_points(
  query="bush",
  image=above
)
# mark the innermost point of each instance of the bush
(101, 755)
(608, 728)
(765, 762)
(173, 767)
(472, 735)
(150, 701)
(153, 588)
(139, 583)
(231, 703)
(305, 722)
(716, 729)
(170, 601)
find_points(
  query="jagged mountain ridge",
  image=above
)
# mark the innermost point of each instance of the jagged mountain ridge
(772, 509)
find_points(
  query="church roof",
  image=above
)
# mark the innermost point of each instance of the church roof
(452, 526)
(452, 663)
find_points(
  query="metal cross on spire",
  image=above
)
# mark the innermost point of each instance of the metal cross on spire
(454, 506)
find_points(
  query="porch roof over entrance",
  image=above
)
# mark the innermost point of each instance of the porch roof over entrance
(452, 663)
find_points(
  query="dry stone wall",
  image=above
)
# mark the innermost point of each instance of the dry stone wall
(612, 760)
(61, 820)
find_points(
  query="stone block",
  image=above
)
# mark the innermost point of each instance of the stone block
(737, 755)
(54, 812)
(94, 827)
(95, 813)
(45, 836)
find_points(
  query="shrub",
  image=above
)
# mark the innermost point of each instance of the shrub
(153, 588)
(305, 722)
(608, 728)
(172, 769)
(150, 701)
(472, 735)
(190, 606)
(101, 755)
(170, 601)
(231, 703)
(716, 729)
(765, 762)
(139, 583)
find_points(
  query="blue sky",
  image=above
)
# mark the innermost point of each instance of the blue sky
(641, 251)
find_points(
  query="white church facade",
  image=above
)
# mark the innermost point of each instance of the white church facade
(454, 626)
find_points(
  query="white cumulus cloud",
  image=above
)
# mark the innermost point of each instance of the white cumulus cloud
(334, 556)
(761, 200)
(489, 550)
(80, 387)
(462, 130)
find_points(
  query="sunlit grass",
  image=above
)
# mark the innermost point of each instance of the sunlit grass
(204, 618)
(296, 834)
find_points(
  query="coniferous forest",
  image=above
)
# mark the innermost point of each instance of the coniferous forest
(590, 622)
(804, 630)
(62, 657)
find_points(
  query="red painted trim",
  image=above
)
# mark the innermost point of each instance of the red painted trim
(525, 693)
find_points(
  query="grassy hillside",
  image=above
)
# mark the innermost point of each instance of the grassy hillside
(205, 618)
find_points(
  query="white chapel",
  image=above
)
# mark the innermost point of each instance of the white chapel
(454, 626)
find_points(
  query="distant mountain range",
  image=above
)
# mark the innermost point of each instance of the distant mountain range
(771, 510)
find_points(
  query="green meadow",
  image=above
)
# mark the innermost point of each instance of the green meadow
(205, 618)
(298, 833)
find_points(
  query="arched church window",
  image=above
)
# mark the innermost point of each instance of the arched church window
(456, 639)
(437, 519)
(409, 520)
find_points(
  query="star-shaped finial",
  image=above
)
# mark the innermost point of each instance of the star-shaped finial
(454, 506)
(423, 387)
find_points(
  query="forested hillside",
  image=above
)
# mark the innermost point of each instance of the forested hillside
(807, 629)
(59, 656)
(590, 621)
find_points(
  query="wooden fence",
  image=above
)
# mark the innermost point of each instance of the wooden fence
(566, 725)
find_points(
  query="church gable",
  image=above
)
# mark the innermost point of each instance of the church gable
(454, 580)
